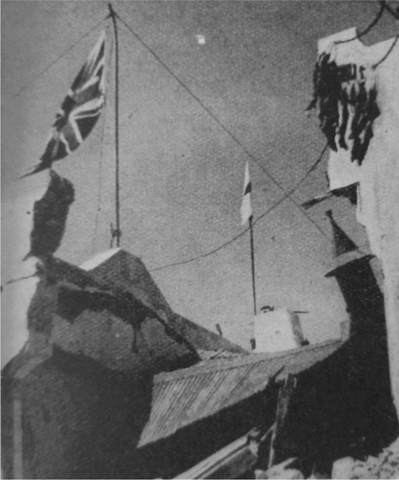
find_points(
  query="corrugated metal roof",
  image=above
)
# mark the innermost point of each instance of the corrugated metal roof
(185, 396)
(207, 355)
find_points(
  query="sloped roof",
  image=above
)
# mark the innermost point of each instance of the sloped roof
(122, 269)
(117, 286)
(99, 258)
(103, 320)
(202, 338)
(210, 355)
(128, 271)
(185, 396)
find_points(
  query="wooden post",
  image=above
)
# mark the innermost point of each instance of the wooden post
(283, 401)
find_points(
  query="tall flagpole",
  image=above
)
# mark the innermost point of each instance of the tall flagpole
(117, 232)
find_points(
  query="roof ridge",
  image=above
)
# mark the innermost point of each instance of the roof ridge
(237, 362)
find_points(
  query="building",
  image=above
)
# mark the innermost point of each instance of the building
(114, 384)
(201, 409)
(317, 403)
(77, 397)
(343, 405)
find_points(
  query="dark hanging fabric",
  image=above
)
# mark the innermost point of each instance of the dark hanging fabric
(344, 101)
(50, 215)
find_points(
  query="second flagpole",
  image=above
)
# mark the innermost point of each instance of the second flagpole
(247, 216)
(251, 233)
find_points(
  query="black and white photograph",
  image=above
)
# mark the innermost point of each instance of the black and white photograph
(200, 239)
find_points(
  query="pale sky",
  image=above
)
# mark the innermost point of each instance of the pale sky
(250, 64)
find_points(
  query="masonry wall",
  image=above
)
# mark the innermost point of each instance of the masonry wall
(79, 420)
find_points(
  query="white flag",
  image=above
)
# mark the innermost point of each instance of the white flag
(246, 208)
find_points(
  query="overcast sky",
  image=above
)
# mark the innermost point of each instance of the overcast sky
(250, 64)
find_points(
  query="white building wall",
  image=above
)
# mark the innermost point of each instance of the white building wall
(378, 176)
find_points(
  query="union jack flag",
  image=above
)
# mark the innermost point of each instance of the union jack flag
(79, 111)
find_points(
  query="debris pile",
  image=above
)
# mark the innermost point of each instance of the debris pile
(386, 465)
(283, 470)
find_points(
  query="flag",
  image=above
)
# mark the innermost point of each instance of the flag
(79, 111)
(49, 217)
(246, 208)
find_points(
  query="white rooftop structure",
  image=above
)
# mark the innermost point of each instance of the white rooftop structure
(277, 330)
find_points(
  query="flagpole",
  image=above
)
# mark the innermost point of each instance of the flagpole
(253, 267)
(117, 232)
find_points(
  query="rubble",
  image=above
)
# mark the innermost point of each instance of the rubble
(386, 465)
(281, 470)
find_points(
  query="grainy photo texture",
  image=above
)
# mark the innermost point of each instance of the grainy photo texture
(200, 242)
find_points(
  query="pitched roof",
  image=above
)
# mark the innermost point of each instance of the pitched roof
(125, 270)
(202, 338)
(96, 308)
(103, 320)
(122, 269)
(210, 355)
(185, 396)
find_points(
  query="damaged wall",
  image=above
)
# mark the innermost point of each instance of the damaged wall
(79, 419)
(84, 404)
(84, 379)
(340, 407)
(343, 405)
(378, 174)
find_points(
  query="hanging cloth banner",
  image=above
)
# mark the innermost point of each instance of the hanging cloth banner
(342, 172)
(345, 94)
(246, 207)
(79, 111)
